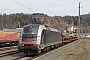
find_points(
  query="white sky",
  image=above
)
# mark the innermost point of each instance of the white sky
(49, 7)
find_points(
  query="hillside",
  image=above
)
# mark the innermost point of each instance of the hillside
(59, 22)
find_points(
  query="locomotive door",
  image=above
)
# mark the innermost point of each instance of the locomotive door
(43, 37)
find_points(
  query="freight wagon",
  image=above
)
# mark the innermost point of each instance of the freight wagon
(9, 38)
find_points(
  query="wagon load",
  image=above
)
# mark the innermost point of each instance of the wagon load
(66, 38)
(9, 36)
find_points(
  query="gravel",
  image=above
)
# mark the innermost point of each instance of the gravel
(60, 53)
(88, 47)
(77, 50)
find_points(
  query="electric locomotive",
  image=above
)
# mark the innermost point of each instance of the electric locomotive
(37, 38)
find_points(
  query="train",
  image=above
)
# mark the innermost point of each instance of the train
(36, 38)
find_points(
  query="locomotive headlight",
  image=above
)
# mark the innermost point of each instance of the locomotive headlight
(22, 44)
(34, 39)
(19, 42)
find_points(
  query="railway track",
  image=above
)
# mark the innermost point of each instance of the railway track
(44, 53)
(25, 57)
(8, 48)
(19, 58)
(32, 57)
(9, 53)
(89, 41)
(35, 57)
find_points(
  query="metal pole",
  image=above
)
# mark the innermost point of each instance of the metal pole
(2, 23)
(19, 25)
(79, 20)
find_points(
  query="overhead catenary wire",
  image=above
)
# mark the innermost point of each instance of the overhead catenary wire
(32, 5)
(24, 6)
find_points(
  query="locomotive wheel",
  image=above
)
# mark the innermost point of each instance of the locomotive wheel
(46, 49)
(52, 46)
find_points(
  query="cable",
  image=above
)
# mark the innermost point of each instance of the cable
(32, 5)
(24, 6)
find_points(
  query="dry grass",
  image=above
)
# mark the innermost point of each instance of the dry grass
(77, 53)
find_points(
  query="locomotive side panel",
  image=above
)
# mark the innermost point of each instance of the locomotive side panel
(53, 37)
(50, 37)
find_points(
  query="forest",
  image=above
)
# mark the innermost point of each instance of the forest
(11, 21)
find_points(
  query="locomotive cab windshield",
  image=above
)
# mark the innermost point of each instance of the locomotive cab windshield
(31, 30)
(30, 33)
